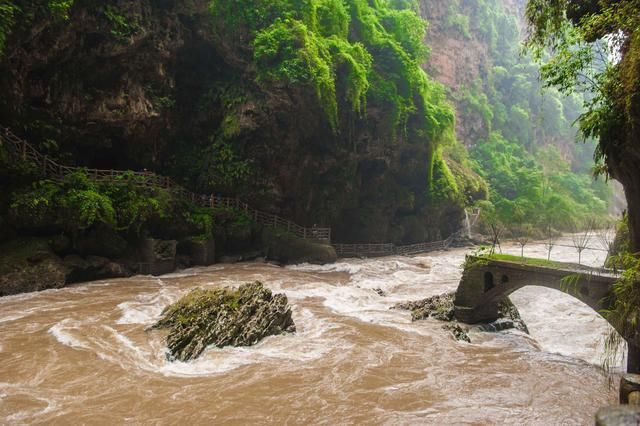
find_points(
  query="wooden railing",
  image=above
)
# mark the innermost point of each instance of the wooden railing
(364, 250)
(379, 250)
(55, 171)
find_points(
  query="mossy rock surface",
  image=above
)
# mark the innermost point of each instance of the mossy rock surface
(286, 248)
(441, 307)
(28, 264)
(224, 317)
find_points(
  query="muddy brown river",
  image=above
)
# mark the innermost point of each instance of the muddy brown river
(81, 355)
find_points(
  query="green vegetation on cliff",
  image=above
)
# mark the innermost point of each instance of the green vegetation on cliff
(352, 53)
(77, 204)
(318, 111)
(526, 149)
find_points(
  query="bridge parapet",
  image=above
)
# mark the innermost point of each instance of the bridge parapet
(485, 282)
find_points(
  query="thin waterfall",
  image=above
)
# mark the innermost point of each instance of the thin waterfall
(467, 223)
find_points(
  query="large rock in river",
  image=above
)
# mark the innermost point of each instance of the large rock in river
(224, 317)
(441, 307)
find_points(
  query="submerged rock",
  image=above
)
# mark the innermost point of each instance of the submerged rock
(458, 332)
(224, 317)
(508, 311)
(440, 307)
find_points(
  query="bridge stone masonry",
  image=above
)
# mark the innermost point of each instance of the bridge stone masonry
(485, 282)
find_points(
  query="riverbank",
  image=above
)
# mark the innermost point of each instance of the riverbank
(33, 264)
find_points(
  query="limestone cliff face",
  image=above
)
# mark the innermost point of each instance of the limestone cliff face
(133, 85)
(460, 59)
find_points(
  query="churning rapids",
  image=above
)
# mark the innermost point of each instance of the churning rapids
(81, 355)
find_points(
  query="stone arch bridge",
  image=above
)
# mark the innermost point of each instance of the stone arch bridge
(485, 282)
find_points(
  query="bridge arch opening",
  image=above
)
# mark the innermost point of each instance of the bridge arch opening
(488, 281)
(576, 329)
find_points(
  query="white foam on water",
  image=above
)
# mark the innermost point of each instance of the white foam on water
(63, 333)
(307, 344)
(310, 342)
(146, 308)
(21, 416)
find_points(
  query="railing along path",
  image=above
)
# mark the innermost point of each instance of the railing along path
(55, 171)
(379, 250)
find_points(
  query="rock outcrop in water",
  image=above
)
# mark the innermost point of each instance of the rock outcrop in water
(224, 317)
(440, 307)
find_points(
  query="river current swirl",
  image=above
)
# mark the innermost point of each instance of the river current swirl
(82, 355)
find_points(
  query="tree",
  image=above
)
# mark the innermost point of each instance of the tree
(522, 233)
(594, 46)
(606, 236)
(550, 239)
(581, 239)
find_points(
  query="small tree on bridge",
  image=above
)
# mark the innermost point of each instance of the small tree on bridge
(551, 238)
(581, 238)
(522, 234)
(606, 237)
(489, 218)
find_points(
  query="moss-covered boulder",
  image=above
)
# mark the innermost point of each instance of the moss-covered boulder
(286, 248)
(224, 317)
(439, 307)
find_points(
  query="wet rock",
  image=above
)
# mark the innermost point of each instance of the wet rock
(201, 253)
(230, 259)
(507, 310)
(495, 326)
(459, 333)
(60, 244)
(183, 261)
(251, 255)
(224, 317)
(29, 265)
(103, 242)
(286, 248)
(158, 256)
(75, 262)
(92, 268)
(622, 415)
(441, 307)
